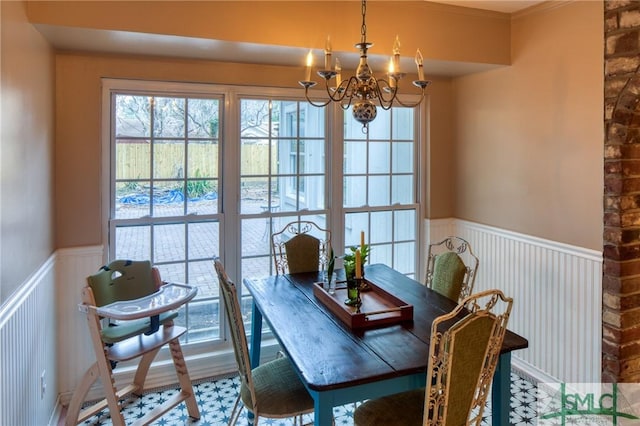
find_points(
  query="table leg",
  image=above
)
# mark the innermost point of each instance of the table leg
(256, 336)
(256, 341)
(323, 409)
(501, 391)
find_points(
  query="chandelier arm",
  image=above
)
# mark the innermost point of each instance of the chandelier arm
(411, 105)
(341, 91)
(319, 105)
(350, 89)
(384, 101)
(332, 98)
(346, 107)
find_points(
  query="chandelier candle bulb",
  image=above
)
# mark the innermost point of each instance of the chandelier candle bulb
(338, 70)
(309, 65)
(419, 64)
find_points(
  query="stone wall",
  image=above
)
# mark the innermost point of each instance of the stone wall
(621, 280)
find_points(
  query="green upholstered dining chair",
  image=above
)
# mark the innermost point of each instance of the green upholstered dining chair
(301, 246)
(464, 351)
(451, 268)
(271, 390)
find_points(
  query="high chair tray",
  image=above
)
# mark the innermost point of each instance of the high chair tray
(169, 296)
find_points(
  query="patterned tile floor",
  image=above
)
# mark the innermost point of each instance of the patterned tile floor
(216, 397)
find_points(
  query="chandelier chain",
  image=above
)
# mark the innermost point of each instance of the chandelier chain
(363, 29)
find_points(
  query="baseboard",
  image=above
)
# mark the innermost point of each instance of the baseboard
(530, 372)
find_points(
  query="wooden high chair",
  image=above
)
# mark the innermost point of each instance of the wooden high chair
(130, 314)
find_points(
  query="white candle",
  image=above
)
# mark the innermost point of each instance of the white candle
(338, 73)
(392, 81)
(327, 54)
(396, 54)
(358, 264)
(419, 64)
(309, 65)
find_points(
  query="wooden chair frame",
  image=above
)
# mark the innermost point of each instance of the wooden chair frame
(463, 355)
(280, 239)
(229, 296)
(443, 339)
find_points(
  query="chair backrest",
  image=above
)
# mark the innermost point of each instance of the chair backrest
(451, 268)
(301, 246)
(123, 280)
(236, 325)
(464, 351)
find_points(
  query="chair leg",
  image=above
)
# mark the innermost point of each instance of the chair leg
(79, 395)
(106, 376)
(102, 367)
(233, 419)
(142, 370)
(184, 379)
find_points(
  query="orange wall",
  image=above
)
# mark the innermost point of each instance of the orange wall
(439, 169)
(26, 149)
(530, 136)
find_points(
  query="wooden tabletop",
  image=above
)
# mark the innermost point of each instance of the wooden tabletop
(328, 354)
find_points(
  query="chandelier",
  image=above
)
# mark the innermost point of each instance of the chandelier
(363, 90)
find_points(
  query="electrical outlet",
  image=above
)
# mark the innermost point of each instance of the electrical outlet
(43, 383)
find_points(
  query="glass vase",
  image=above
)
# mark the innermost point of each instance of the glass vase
(353, 285)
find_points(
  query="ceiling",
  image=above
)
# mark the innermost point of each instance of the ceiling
(122, 42)
(504, 6)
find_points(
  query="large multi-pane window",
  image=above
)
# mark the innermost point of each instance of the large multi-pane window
(165, 193)
(202, 171)
(379, 187)
(282, 174)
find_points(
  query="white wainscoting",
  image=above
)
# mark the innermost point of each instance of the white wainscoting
(556, 288)
(557, 292)
(74, 265)
(28, 349)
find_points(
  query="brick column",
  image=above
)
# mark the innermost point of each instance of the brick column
(621, 280)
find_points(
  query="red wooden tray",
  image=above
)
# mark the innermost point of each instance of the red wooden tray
(378, 307)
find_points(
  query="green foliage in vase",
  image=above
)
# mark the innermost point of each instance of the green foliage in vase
(349, 259)
(351, 256)
(332, 263)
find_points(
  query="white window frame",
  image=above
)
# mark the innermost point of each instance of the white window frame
(231, 172)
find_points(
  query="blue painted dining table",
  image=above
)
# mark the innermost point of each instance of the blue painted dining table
(339, 364)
